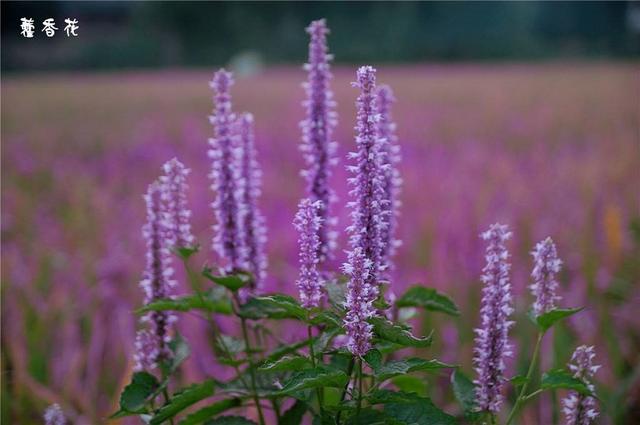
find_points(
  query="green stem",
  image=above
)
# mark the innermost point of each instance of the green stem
(252, 373)
(521, 397)
(166, 400)
(319, 390)
(359, 388)
(344, 390)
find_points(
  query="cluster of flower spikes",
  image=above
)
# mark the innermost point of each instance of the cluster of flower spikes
(317, 129)
(392, 182)
(308, 223)
(54, 415)
(546, 266)
(368, 216)
(492, 344)
(581, 409)
(152, 346)
(239, 232)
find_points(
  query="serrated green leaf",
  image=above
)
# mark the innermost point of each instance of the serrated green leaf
(373, 358)
(410, 409)
(210, 411)
(401, 367)
(465, 393)
(137, 393)
(213, 301)
(287, 363)
(313, 378)
(429, 299)
(548, 319)
(294, 415)
(183, 399)
(231, 420)
(283, 350)
(397, 334)
(561, 378)
(411, 384)
(233, 282)
(273, 307)
(328, 319)
(369, 416)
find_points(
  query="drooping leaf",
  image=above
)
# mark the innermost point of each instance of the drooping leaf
(429, 299)
(137, 393)
(402, 367)
(313, 378)
(373, 358)
(561, 378)
(465, 393)
(213, 301)
(183, 399)
(210, 411)
(397, 334)
(328, 319)
(547, 320)
(231, 420)
(287, 363)
(233, 282)
(294, 415)
(273, 307)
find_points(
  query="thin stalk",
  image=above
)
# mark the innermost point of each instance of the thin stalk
(360, 379)
(346, 387)
(319, 390)
(521, 397)
(166, 400)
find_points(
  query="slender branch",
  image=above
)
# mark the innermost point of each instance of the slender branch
(521, 397)
(346, 387)
(360, 379)
(319, 390)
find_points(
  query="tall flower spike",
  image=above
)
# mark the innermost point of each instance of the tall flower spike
(367, 217)
(580, 409)
(317, 129)
(308, 223)
(54, 415)
(359, 302)
(157, 281)
(492, 344)
(228, 239)
(545, 267)
(146, 352)
(392, 182)
(255, 234)
(175, 211)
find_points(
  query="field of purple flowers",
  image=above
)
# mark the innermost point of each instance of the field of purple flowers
(552, 150)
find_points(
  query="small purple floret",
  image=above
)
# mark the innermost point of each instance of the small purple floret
(581, 409)
(359, 302)
(545, 267)
(54, 415)
(308, 223)
(176, 213)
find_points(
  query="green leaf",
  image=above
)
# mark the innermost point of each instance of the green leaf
(328, 319)
(561, 378)
(210, 411)
(519, 380)
(388, 331)
(313, 378)
(180, 350)
(283, 350)
(137, 393)
(287, 363)
(231, 420)
(183, 399)
(465, 393)
(185, 252)
(233, 282)
(294, 415)
(214, 301)
(231, 344)
(410, 409)
(369, 416)
(429, 299)
(402, 367)
(411, 384)
(273, 307)
(373, 358)
(548, 319)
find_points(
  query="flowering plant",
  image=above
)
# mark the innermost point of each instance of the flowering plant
(344, 368)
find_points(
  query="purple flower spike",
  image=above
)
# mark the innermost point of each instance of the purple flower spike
(546, 266)
(308, 223)
(492, 344)
(157, 281)
(359, 302)
(176, 213)
(392, 182)
(54, 415)
(580, 409)
(228, 239)
(146, 352)
(255, 234)
(317, 129)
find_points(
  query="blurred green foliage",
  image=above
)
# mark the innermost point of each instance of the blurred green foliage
(163, 34)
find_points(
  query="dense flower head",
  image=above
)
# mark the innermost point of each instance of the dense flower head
(492, 344)
(225, 153)
(580, 409)
(317, 128)
(54, 415)
(545, 267)
(391, 180)
(253, 223)
(308, 223)
(146, 351)
(157, 281)
(359, 302)
(175, 211)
